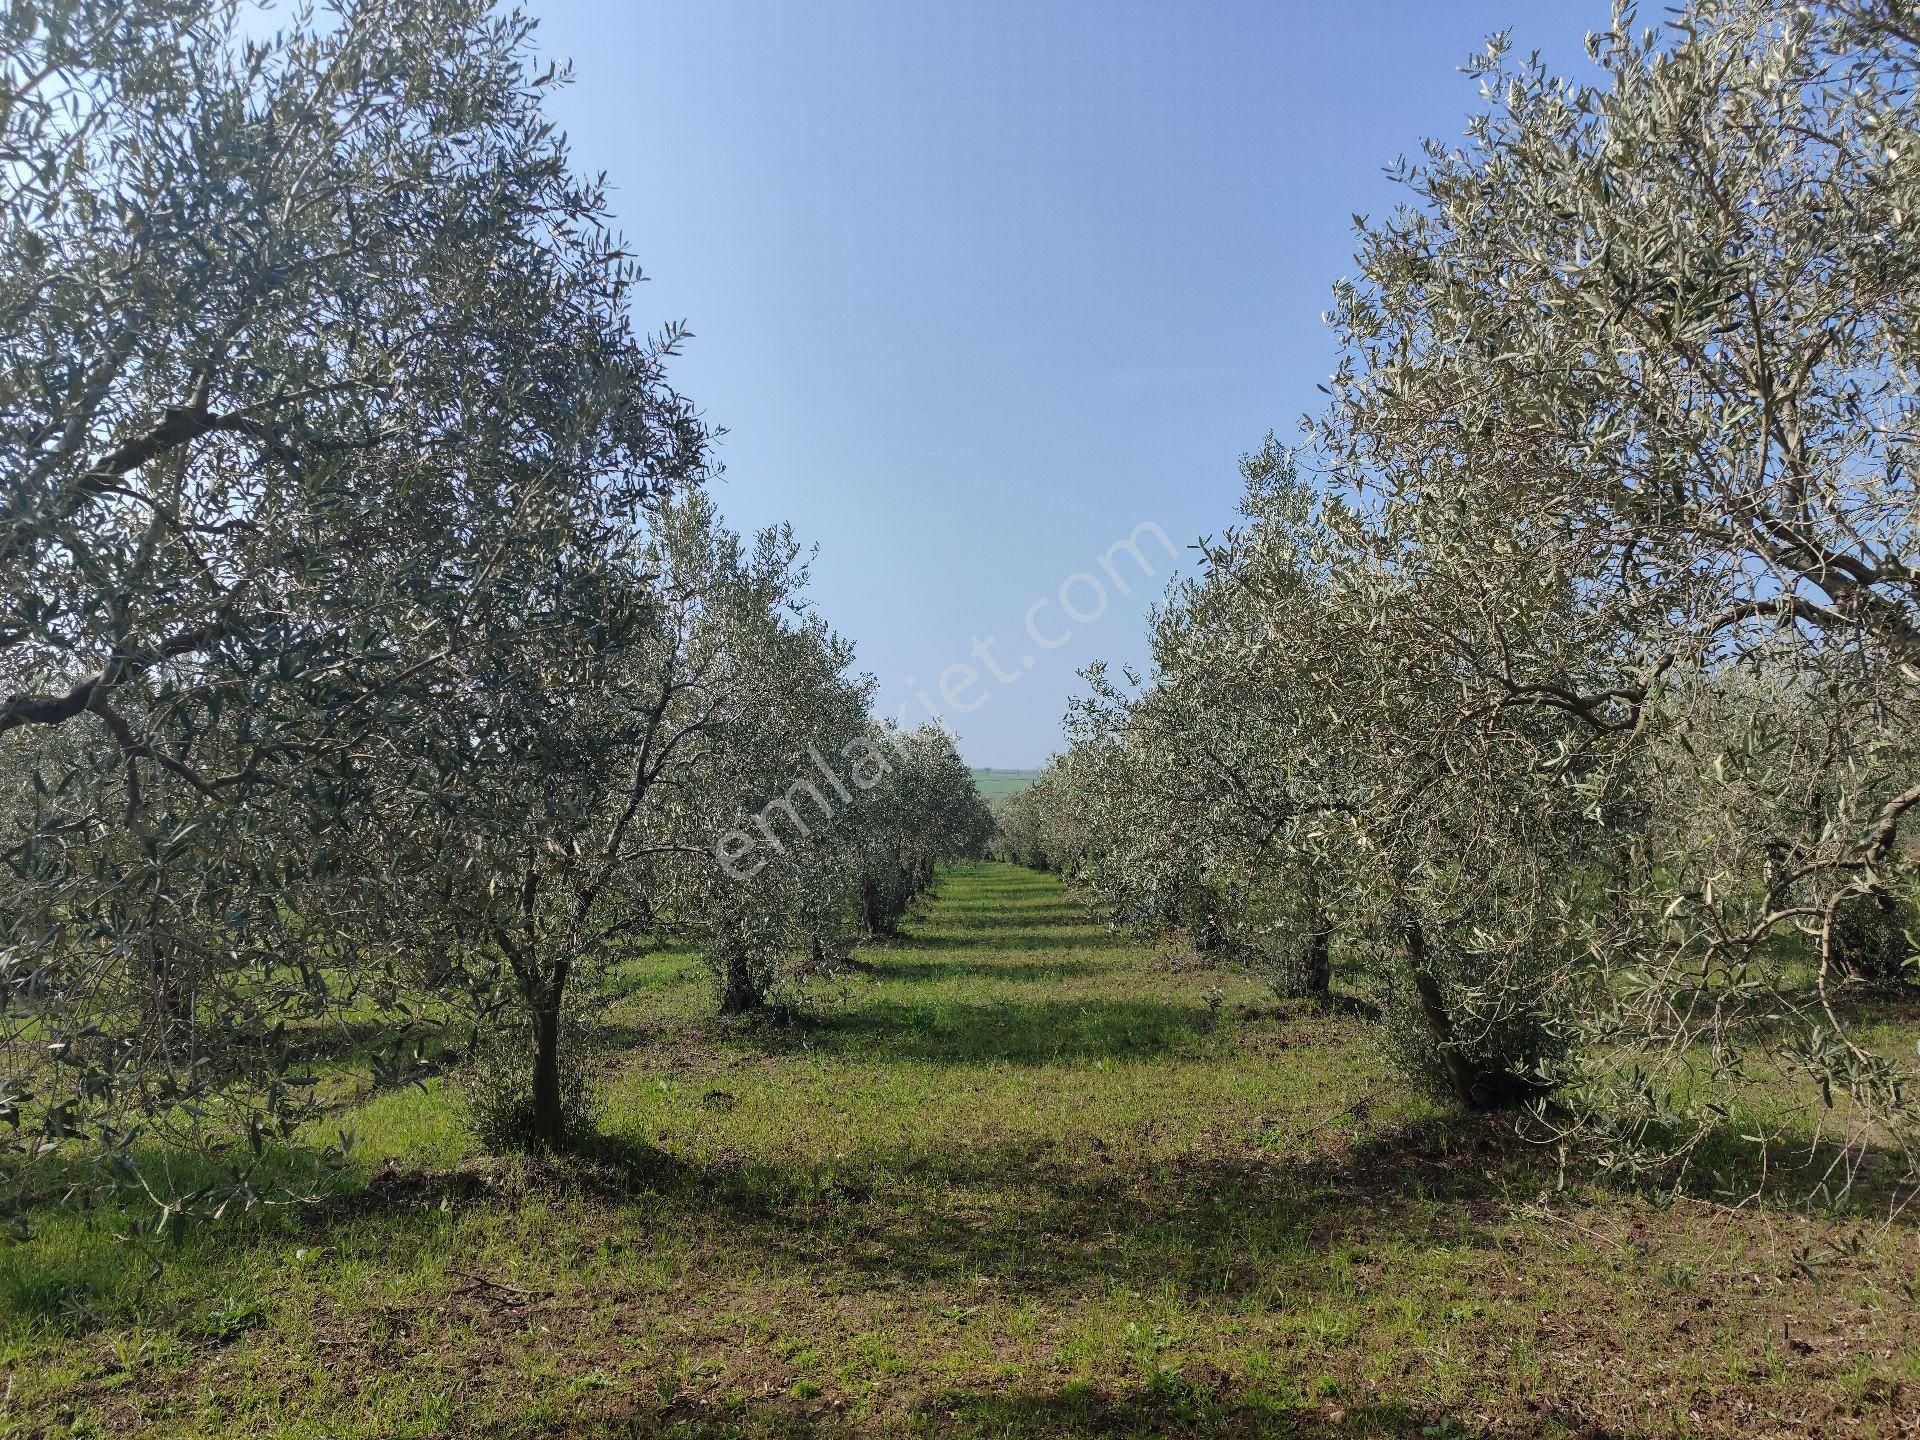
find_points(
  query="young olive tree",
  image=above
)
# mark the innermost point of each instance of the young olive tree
(770, 888)
(524, 818)
(853, 818)
(1215, 776)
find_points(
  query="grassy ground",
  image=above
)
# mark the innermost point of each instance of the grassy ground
(998, 784)
(1025, 1181)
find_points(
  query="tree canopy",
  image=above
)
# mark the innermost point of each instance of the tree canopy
(1564, 670)
(370, 651)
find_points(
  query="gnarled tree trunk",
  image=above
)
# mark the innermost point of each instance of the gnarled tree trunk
(1475, 1087)
(549, 1116)
(740, 990)
(1319, 959)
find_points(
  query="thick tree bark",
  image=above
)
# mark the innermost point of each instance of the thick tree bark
(1434, 1010)
(1473, 1086)
(870, 906)
(1207, 934)
(739, 990)
(1319, 959)
(167, 997)
(549, 1120)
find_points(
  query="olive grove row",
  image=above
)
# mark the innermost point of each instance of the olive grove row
(1564, 679)
(370, 648)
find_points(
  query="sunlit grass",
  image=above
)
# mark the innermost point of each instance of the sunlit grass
(1027, 1179)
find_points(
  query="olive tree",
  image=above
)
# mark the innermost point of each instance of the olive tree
(1295, 770)
(1598, 696)
(1644, 348)
(1217, 774)
(770, 883)
(829, 827)
(315, 347)
(523, 819)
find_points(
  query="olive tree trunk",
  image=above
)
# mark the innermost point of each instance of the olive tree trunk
(1319, 959)
(740, 991)
(549, 1116)
(1476, 1087)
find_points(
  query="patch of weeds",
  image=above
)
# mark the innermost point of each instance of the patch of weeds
(231, 1319)
(1172, 1390)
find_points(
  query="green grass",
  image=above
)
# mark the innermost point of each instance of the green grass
(998, 784)
(1027, 1180)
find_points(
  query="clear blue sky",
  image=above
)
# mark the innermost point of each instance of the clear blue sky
(979, 288)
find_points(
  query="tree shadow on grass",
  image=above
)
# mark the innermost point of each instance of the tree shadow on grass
(1037, 1216)
(1034, 1216)
(1211, 1407)
(1016, 942)
(1172, 1403)
(1024, 972)
(1000, 922)
(1007, 1032)
(1024, 1221)
(1031, 1216)
(992, 907)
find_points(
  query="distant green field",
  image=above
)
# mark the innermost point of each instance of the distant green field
(998, 784)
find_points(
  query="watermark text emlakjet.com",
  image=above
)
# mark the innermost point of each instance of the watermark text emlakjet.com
(809, 801)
